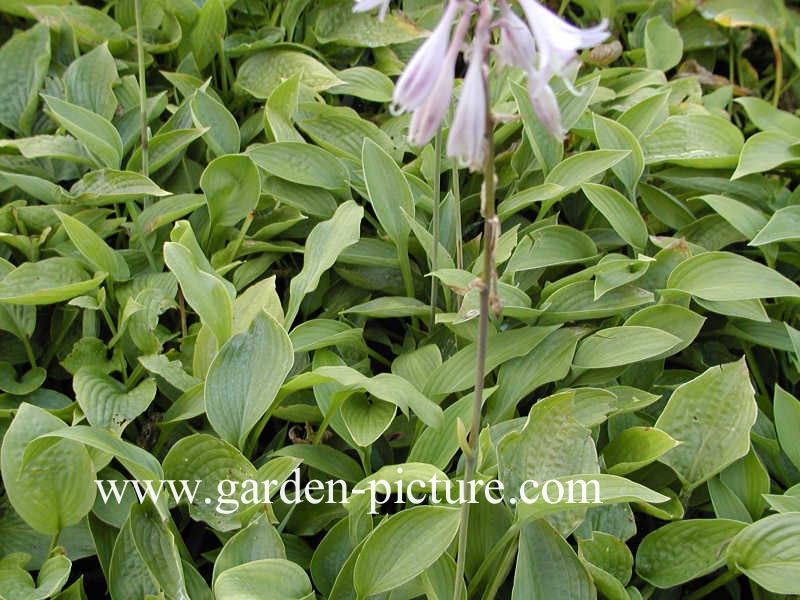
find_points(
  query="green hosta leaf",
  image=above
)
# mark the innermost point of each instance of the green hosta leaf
(364, 82)
(767, 150)
(208, 31)
(245, 376)
(50, 146)
(663, 44)
(767, 552)
(579, 168)
(27, 384)
(547, 567)
(389, 307)
(384, 562)
(616, 346)
(96, 133)
(48, 281)
(635, 448)
(90, 26)
(550, 360)
(611, 489)
(388, 387)
(89, 82)
(281, 108)
(107, 186)
(258, 541)
(128, 575)
(322, 333)
(261, 73)
(27, 56)
(107, 403)
(457, 373)
(168, 210)
(208, 459)
(204, 292)
(715, 143)
(163, 147)
(367, 419)
(438, 445)
(721, 276)
(323, 245)
(232, 186)
(768, 118)
(576, 301)
(549, 246)
(608, 553)
(612, 135)
(787, 424)
(99, 254)
(745, 219)
(335, 23)
(53, 486)
(301, 163)
(284, 579)
(619, 212)
(783, 226)
(326, 459)
(138, 461)
(678, 552)
(155, 543)
(711, 417)
(388, 192)
(17, 584)
(665, 207)
(222, 131)
(524, 455)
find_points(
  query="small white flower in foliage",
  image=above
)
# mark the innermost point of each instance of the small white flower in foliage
(367, 5)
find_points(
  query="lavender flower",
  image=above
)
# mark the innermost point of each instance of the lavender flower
(418, 79)
(516, 45)
(367, 5)
(543, 46)
(556, 40)
(468, 131)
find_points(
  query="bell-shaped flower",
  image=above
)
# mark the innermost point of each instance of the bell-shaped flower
(556, 40)
(367, 5)
(416, 83)
(429, 114)
(467, 136)
(516, 45)
(545, 104)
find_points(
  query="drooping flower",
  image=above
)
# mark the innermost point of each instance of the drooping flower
(418, 79)
(557, 42)
(516, 45)
(367, 5)
(467, 137)
(428, 115)
(545, 104)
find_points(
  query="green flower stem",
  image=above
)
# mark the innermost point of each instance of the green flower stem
(142, 88)
(436, 201)
(489, 235)
(456, 187)
(713, 585)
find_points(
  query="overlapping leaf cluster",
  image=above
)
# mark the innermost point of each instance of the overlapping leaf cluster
(250, 294)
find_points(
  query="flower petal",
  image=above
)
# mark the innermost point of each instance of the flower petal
(416, 83)
(466, 139)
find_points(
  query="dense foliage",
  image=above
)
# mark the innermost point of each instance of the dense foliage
(250, 291)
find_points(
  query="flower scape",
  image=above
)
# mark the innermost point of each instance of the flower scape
(416, 299)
